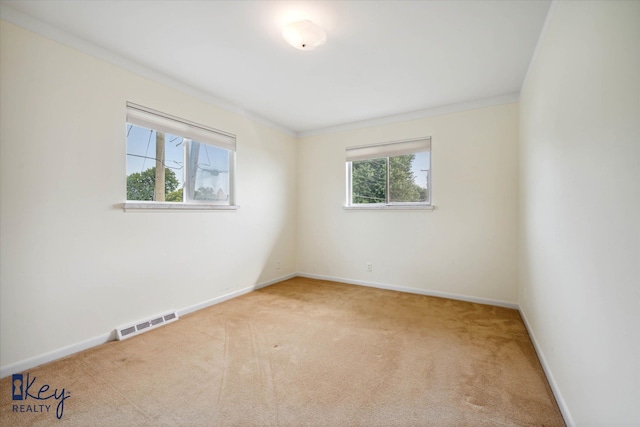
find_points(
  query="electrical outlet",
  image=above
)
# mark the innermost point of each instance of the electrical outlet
(278, 265)
(369, 267)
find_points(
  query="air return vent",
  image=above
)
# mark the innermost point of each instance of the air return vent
(145, 325)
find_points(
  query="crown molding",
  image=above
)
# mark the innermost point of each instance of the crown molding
(46, 30)
(543, 33)
(40, 27)
(418, 114)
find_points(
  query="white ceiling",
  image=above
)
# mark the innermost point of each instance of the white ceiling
(381, 58)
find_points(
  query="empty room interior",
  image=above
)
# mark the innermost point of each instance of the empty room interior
(322, 213)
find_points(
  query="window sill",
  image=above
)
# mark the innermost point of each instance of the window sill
(177, 206)
(390, 207)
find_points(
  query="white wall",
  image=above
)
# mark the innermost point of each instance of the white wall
(68, 256)
(466, 247)
(580, 208)
(73, 265)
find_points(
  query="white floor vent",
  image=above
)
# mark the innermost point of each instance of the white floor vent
(145, 325)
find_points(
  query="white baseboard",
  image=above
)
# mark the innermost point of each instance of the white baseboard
(547, 370)
(564, 409)
(233, 294)
(104, 338)
(418, 291)
(32, 362)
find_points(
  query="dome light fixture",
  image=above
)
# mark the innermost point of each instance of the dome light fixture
(304, 35)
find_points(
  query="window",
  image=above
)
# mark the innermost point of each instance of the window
(394, 174)
(174, 161)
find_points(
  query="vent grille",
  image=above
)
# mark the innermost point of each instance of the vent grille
(145, 325)
(142, 326)
(129, 330)
(154, 322)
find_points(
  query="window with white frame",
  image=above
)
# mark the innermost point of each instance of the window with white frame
(170, 159)
(389, 174)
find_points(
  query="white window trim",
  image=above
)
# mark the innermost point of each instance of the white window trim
(149, 205)
(377, 207)
(386, 149)
(156, 120)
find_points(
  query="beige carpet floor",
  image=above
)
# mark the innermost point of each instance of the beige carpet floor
(306, 353)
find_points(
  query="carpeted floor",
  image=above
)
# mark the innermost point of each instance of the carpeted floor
(305, 353)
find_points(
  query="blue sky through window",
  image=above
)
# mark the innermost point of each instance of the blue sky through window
(141, 151)
(419, 166)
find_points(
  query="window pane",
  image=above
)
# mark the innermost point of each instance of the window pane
(408, 175)
(369, 181)
(209, 172)
(143, 156)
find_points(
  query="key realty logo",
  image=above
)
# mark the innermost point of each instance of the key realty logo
(29, 397)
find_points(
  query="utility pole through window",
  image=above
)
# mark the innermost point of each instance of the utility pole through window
(159, 190)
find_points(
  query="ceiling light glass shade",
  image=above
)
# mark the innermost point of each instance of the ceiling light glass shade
(304, 35)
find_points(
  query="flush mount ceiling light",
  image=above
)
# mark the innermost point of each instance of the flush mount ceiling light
(304, 35)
